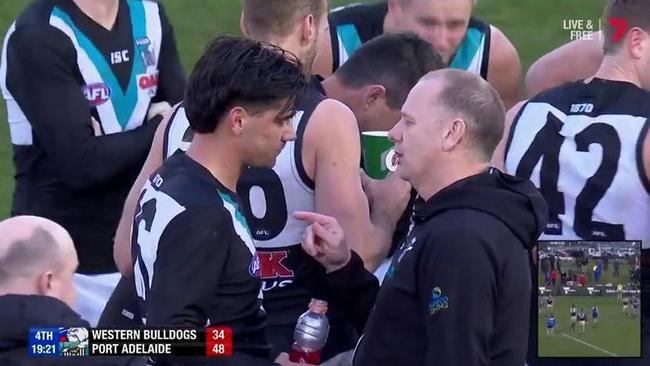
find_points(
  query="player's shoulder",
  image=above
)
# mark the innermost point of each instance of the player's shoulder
(501, 48)
(358, 13)
(34, 22)
(37, 13)
(333, 116)
(555, 95)
(612, 96)
(35, 30)
(188, 183)
(480, 25)
(311, 95)
(559, 97)
(155, 4)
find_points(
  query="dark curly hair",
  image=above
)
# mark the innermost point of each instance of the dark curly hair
(239, 71)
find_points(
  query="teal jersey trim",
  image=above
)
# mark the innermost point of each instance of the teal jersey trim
(123, 103)
(350, 37)
(468, 49)
(238, 214)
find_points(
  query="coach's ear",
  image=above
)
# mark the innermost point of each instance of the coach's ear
(242, 24)
(44, 283)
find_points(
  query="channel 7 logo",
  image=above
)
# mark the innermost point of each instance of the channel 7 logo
(620, 27)
(585, 28)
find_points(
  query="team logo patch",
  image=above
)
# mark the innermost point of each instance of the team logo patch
(439, 302)
(254, 266)
(96, 93)
(73, 342)
(145, 48)
(149, 83)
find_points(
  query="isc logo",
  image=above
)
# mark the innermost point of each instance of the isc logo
(118, 57)
(96, 93)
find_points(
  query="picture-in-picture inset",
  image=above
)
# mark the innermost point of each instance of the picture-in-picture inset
(589, 299)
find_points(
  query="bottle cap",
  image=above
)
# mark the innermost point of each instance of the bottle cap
(318, 306)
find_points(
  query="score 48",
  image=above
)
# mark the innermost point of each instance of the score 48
(218, 341)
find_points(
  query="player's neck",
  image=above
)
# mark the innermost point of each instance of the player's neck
(290, 45)
(218, 156)
(336, 89)
(438, 179)
(103, 12)
(614, 69)
(389, 23)
(16, 288)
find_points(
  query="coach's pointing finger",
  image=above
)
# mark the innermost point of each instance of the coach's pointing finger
(325, 241)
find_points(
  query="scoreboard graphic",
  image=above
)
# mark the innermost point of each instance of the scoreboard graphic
(79, 342)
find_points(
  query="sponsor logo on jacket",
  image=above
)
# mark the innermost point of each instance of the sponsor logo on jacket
(439, 301)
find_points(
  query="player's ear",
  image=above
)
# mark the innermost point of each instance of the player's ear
(394, 6)
(375, 95)
(242, 24)
(237, 120)
(308, 29)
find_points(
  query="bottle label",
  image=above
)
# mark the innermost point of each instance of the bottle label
(303, 356)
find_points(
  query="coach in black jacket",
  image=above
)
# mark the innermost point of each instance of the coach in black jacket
(37, 262)
(458, 290)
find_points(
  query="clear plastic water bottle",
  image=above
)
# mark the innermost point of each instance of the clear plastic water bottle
(310, 335)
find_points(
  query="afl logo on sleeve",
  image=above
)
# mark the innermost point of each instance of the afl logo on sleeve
(96, 93)
(254, 266)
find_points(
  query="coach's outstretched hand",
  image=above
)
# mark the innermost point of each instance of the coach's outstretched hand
(324, 240)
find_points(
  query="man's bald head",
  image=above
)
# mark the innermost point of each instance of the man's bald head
(468, 96)
(33, 251)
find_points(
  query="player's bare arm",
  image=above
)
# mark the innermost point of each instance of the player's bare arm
(332, 153)
(504, 70)
(575, 60)
(122, 244)
(499, 156)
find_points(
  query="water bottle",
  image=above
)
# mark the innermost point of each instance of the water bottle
(310, 334)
